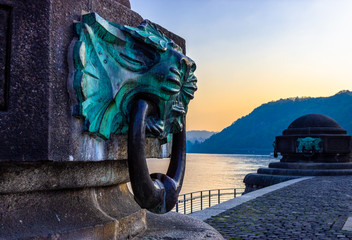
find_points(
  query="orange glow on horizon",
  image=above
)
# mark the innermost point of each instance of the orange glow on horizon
(252, 52)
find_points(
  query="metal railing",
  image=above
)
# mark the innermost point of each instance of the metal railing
(196, 201)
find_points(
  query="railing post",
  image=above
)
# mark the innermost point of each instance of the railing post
(188, 201)
(184, 204)
(191, 202)
(201, 200)
(218, 196)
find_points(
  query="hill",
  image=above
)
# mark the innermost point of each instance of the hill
(198, 136)
(256, 132)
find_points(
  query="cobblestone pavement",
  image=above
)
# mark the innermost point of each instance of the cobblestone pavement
(312, 209)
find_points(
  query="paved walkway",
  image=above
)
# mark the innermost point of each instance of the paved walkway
(316, 208)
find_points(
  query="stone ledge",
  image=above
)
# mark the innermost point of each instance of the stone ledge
(304, 172)
(310, 165)
(39, 176)
(177, 226)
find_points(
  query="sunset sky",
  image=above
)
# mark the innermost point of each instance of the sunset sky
(249, 52)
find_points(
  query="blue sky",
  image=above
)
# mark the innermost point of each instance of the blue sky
(250, 52)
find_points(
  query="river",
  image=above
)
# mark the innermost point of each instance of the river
(213, 171)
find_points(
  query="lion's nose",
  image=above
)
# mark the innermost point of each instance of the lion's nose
(189, 63)
(186, 64)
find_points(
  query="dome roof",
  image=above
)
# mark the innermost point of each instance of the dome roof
(314, 124)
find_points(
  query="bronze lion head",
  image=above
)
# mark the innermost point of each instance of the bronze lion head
(114, 65)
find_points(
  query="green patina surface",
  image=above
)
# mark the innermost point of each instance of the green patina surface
(115, 64)
(308, 144)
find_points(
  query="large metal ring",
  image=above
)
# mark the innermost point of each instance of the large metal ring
(156, 192)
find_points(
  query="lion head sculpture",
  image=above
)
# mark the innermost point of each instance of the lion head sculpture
(114, 65)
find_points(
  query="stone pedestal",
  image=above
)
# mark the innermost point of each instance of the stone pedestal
(67, 200)
(73, 200)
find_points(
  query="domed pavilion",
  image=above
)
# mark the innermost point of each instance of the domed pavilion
(312, 145)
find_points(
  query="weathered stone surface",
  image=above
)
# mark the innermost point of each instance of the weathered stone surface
(126, 3)
(86, 213)
(38, 124)
(22, 177)
(67, 200)
(177, 226)
(5, 33)
(23, 127)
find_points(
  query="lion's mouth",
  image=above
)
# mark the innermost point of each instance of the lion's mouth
(172, 123)
(178, 109)
(155, 126)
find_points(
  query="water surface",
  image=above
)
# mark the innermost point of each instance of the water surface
(213, 171)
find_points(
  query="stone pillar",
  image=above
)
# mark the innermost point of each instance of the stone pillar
(56, 181)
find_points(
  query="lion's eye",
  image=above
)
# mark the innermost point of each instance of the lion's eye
(136, 57)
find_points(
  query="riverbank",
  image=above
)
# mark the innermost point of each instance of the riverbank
(315, 208)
